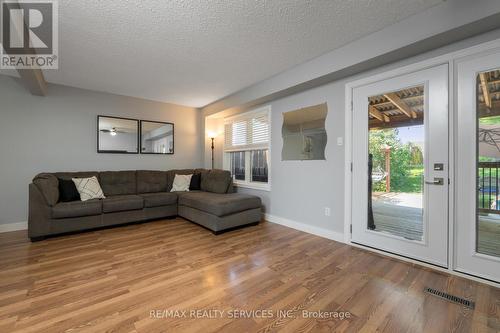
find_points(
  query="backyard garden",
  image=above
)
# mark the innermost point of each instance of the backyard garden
(406, 162)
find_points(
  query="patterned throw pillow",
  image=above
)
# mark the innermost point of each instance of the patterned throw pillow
(181, 183)
(88, 188)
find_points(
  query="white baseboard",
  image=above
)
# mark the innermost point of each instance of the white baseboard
(13, 226)
(321, 232)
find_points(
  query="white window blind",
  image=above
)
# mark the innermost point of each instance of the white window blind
(248, 131)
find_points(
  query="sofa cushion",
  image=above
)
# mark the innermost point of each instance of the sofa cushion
(77, 209)
(171, 176)
(68, 191)
(216, 181)
(219, 204)
(195, 184)
(181, 183)
(89, 188)
(118, 182)
(151, 181)
(49, 187)
(120, 203)
(159, 199)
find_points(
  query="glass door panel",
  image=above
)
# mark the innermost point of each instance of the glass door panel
(396, 162)
(488, 162)
(477, 197)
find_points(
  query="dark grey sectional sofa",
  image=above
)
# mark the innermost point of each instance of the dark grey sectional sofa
(134, 196)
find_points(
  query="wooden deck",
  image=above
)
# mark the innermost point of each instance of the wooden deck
(407, 222)
(398, 220)
(489, 235)
(111, 280)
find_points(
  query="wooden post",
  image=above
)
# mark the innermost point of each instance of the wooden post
(388, 169)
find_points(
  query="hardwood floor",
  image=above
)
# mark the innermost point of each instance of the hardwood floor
(111, 281)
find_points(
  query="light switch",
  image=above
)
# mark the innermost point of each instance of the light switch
(340, 141)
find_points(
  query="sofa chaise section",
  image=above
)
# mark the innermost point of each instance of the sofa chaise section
(220, 212)
(216, 206)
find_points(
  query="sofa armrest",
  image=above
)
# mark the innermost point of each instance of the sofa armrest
(48, 185)
(39, 213)
(230, 188)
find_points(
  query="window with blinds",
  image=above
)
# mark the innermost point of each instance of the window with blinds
(246, 148)
(249, 131)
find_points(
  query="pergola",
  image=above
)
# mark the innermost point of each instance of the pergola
(489, 93)
(397, 109)
(406, 107)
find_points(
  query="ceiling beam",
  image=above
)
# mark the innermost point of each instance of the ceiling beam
(377, 114)
(400, 120)
(407, 98)
(34, 81)
(32, 78)
(486, 89)
(401, 105)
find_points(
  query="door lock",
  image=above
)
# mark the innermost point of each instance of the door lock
(438, 166)
(436, 181)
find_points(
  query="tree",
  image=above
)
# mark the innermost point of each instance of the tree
(417, 157)
(402, 157)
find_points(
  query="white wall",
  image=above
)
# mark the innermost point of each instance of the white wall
(300, 190)
(58, 133)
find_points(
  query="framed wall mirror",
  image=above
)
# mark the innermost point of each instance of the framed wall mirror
(157, 137)
(304, 133)
(117, 135)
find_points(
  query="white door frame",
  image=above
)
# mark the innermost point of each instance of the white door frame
(444, 59)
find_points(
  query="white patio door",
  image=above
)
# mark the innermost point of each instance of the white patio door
(400, 165)
(477, 202)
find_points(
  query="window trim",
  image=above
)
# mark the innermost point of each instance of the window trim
(253, 185)
(246, 183)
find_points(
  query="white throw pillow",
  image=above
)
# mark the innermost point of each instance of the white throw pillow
(88, 188)
(181, 183)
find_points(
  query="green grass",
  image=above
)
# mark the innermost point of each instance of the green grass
(411, 183)
(414, 181)
(489, 120)
(408, 184)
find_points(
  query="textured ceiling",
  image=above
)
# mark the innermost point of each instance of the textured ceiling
(193, 52)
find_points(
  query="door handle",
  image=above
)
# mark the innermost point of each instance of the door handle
(436, 181)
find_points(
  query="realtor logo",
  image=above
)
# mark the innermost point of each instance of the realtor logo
(29, 33)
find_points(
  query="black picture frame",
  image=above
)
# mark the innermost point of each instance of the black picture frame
(103, 151)
(156, 122)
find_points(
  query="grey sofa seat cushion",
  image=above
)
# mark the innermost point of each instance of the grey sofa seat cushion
(121, 203)
(219, 204)
(216, 181)
(118, 182)
(151, 181)
(64, 210)
(159, 199)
